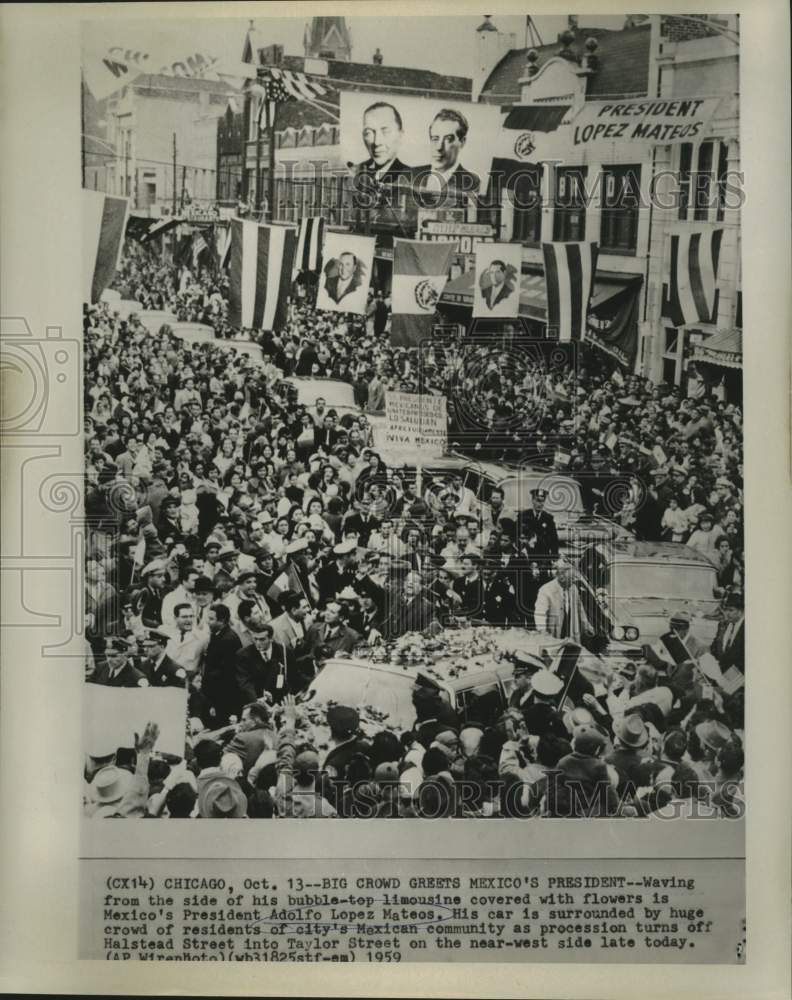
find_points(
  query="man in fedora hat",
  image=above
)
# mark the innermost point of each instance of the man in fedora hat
(728, 647)
(630, 756)
(581, 786)
(221, 798)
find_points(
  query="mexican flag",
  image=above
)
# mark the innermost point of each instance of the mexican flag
(420, 272)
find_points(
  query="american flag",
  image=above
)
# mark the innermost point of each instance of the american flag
(284, 85)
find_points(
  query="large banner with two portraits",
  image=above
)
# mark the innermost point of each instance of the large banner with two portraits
(436, 146)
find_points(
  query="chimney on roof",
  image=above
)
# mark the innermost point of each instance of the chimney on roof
(491, 46)
(377, 57)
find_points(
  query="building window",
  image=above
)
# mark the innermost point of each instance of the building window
(685, 161)
(569, 218)
(527, 195)
(703, 182)
(621, 197)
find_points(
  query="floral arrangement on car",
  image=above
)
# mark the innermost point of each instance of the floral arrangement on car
(461, 648)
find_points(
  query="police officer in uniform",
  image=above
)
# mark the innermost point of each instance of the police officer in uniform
(538, 532)
(159, 669)
(117, 670)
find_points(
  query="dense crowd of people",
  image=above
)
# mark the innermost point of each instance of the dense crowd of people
(239, 540)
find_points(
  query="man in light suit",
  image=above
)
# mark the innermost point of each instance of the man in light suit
(559, 610)
(288, 629)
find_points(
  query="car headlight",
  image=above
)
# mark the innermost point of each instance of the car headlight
(624, 633)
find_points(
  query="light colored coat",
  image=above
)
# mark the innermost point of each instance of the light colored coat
(549, 611)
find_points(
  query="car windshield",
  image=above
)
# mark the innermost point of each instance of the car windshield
(359, 685)
(563, 493)
(666, 581)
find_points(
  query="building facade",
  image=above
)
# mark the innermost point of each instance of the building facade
(160, 137)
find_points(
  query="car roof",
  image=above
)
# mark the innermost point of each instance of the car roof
(631, 550)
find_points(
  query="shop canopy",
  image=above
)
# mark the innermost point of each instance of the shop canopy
(723, 348)
(533, 292)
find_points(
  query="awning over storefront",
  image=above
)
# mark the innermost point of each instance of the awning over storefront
(540, 117)
(533, 292)
(723, 348)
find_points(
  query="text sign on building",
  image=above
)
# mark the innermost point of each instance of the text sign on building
(415, 424)
(433, 228)
(658, 122)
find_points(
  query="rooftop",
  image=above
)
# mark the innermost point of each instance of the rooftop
(623, 65)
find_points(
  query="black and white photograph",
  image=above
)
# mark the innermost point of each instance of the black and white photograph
(413, 488)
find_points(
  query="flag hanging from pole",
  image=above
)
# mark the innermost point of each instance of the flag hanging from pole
(420, 272)
(104, 223)
(691, 295)
(309, 245)
(260, 274)
(284, 85)
(569, 278)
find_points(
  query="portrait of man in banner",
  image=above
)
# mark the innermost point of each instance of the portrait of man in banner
(497, 283)
(445, 173)
(382, 132)
(343, 275)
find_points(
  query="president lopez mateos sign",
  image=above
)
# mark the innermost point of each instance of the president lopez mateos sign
(659, 121)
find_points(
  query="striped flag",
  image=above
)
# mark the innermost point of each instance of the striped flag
(225, 251)
(309, 245)
(569, 279)
(260, 274)
(284, 84)
(104, 223)
(420, 272)
(691, 295)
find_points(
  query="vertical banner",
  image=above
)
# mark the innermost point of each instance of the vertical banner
(260, 274)
(346, 275)
(692, 289)
(104, 219)
(420, 272)
(496, 290)
(309, 244)
(569, 276)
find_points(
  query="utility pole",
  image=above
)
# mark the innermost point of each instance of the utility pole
(174, 173)
(184, 182)
(82, 125)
